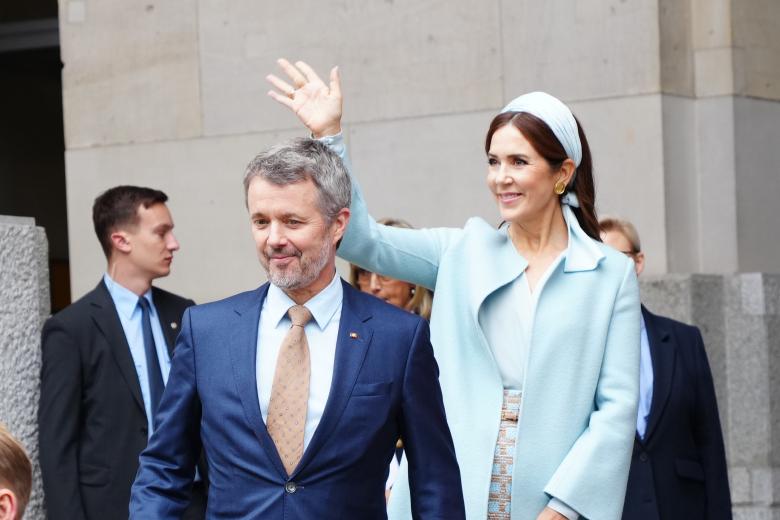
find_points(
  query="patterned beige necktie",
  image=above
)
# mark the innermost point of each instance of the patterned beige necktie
(290, 391)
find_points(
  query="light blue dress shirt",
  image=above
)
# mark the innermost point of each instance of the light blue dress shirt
(645, 382)
(321, 335)
(126, 303)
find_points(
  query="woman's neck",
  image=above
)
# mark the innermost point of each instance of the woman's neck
(545, 235)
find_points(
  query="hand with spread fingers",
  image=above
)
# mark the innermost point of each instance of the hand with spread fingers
(316, 104)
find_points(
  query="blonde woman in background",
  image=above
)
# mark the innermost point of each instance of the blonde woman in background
(414, 298)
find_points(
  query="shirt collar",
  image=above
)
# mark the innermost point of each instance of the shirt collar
(582, 253)
(323, 305)
(125, 300)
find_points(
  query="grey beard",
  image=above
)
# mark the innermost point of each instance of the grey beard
(309, 272)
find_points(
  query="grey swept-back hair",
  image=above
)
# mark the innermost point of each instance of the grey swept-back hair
(299, 159)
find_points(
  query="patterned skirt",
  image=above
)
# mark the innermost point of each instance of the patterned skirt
(500, 497)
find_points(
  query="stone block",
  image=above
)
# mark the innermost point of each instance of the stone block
(714, 72)
(739, 484)
(625, 137)
(581, 49)
(755, 36)
(203, 179)
(756, 135)
(430, 171)
(676, 47)
(24, 304)
(131, 71)
(398, 58)
(700, 184)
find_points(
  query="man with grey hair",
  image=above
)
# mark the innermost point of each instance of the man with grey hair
(298, 390)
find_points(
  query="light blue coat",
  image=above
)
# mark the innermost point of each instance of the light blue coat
(581, 388)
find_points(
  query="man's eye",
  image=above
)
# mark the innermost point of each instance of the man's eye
(492, 161)
(294, 222)
(260, 222)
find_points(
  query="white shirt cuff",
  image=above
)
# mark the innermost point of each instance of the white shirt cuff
(563, 509)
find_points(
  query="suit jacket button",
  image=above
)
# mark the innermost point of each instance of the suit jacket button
(643, 457)
(291, 487)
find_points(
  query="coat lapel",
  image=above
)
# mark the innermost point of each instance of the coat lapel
(106, 319)
(354, 338)
(243, 357)
(663, 352)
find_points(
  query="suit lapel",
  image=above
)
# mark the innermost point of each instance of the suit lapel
(169, 320)
(663, 352)
(243, 357)
(354, 338)
(106, 319)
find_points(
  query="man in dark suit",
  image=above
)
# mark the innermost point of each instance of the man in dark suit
(299, 390)
(106, 358)
(678, 467)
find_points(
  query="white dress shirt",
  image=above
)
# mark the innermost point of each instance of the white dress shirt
(126, 303)
(321, 334)
(506, 317)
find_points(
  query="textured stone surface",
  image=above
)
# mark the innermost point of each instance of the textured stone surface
(131, 71)
(581, 49)
(399, 58)
(203, 180)
(738, 317)
(24, 304)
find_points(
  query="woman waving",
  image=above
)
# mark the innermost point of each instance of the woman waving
(535, 324)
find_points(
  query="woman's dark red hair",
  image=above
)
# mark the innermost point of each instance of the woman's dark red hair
(547, 145)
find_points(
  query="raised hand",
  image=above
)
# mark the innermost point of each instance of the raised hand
(316, 104)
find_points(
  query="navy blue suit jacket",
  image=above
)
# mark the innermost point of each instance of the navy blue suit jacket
(385, 385)
(678, 471)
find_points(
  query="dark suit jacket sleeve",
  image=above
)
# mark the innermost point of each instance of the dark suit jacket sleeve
(163, 485)
(709, 438)
(434, 477)
(59, 421)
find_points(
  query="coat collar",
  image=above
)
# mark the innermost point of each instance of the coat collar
(663, 352)
(502, 263)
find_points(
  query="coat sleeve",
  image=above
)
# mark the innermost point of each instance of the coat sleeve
(709, 438)
(59, 421)
(163, 485)
(434, 477)
(592, 477)
(406, 254)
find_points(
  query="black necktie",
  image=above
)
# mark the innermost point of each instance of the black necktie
(156, 385)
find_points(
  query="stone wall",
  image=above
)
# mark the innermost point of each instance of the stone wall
(739, 316)
(24, 305)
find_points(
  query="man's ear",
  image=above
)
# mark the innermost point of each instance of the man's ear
(8, 504)
(339, 225)
(639, 262)
(121, 241)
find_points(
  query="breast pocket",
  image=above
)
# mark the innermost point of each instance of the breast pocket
(372, 389)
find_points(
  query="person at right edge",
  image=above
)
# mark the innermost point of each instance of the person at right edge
(536, 322)
(678, 469)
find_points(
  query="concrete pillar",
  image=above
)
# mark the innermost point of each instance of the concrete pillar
(739, 316)
(24, 305)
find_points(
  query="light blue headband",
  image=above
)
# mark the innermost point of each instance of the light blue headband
(558, 117)
(561, 121)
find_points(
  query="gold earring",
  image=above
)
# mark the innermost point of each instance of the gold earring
(559, 188)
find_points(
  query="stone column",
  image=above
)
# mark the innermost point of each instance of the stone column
(24, 305)
(739, 316)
